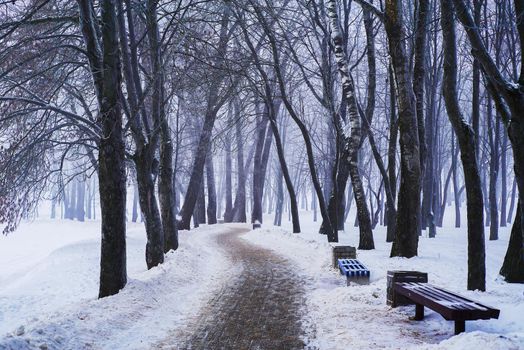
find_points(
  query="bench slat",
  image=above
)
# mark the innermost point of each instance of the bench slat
(450, 305)
(451, 300)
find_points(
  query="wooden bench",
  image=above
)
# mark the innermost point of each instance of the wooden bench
(451, 306)
(354, 270)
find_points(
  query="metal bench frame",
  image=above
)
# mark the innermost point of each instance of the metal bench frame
(451, 306)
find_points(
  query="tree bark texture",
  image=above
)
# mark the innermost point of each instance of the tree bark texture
(512, 114)
(466, 141)
(351, 131)
(104, 59)
(408, 208)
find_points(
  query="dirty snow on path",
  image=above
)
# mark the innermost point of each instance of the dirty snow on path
(260, 308)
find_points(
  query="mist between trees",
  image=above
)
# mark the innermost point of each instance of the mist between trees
(232, 110)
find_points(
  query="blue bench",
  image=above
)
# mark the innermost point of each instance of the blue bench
(354, 270)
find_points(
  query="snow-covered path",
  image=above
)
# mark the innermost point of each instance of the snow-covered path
(258, 309)
(49, 301)
(222, 286)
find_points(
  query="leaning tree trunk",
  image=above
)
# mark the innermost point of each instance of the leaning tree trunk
(466, 140)
(197, 173)
(289, 183)
(352, 137)
(258, 177)
(408, 209)
(509, 100)
(266, 140)
(275, 52)
(513, 266)
(213, 105)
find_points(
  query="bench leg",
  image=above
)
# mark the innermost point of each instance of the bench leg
(460, 326)
(419, 312)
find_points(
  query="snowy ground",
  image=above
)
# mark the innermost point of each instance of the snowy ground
(49, 281)
(358, 317)
(49, 284)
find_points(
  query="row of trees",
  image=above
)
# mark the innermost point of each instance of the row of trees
(282, 102)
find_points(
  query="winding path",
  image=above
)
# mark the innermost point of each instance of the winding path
(258, 309)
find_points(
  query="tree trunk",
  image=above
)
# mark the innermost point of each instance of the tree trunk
(456, 191)
(512, 202)
(493, 176)
(201, 204)
(197, 173)
(53, 208)
(228, 213)
(263, 143)
(134, 215)
(466, 140)
(80, 200)
(111, 156)
(144, 163)
(513, 266)
(392, 155)
(213, 105)
(408, 208)
(509, 100)
(72, 202)
(419, 73)
(442, 210)
(239, 209)
(211, 191)
(279, 207)
(336, 200)
(289, 184)
(352, 139)
(89, 199)
(503, 182)
(166, 191)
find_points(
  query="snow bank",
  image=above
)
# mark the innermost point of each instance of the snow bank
(357, 316)
(49, 284)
